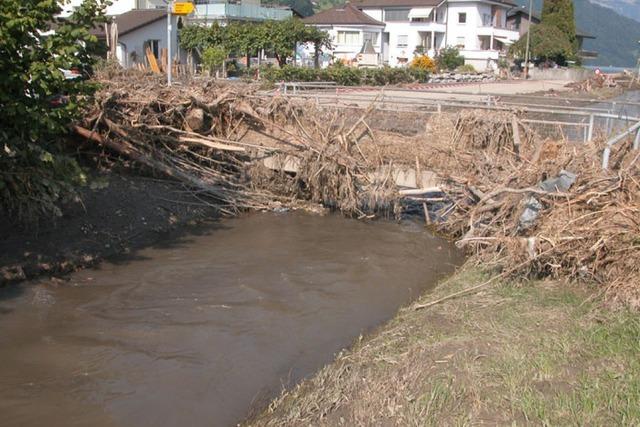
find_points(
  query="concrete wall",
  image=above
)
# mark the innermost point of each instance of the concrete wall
(573, 74)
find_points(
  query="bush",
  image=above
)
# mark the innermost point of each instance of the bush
(423, 62)
(38, 104)
(213, 58)
(345, 76)
(449, 59)
(466, 69)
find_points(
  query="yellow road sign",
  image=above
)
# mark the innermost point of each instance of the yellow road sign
(183, 8)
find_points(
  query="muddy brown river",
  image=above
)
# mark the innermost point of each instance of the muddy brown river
(201, 329)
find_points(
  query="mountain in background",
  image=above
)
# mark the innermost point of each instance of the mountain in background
(613, 22)
(616, 35)
(629, 8)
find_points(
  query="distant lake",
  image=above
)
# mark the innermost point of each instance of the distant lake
(609, 69)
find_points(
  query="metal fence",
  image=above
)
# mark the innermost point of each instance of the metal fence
(573, 119)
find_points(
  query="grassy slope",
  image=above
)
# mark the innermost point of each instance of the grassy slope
(510, 355)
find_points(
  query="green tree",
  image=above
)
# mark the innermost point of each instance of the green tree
(449, 58)
(197, 38)
(548, 42)
(213, 58)
(34, 173)
(560, 14)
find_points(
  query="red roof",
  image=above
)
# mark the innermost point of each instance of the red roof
(342, 15)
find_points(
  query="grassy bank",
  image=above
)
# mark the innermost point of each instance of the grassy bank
(537, 353)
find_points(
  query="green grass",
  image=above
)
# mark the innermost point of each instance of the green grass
(514, 354)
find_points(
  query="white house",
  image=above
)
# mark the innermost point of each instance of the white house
(118, 7)
(405, 28)
(138, 29)
(349, 29)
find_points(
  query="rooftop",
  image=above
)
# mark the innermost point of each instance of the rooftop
(132, 20)
(346, 14)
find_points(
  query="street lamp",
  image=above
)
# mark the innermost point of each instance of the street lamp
(526, 55)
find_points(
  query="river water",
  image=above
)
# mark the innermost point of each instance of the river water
(202, 328)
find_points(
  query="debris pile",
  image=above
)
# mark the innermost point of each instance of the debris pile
(598, 81)
(216, 138)
(508, 196)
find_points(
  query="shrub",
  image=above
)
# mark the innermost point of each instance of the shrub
(449, 59)
(423, 62)
(37, 102)
(213, 58)
(466, 69)
(345, 76)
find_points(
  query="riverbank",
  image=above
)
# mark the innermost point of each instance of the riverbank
(118, 213)
(516, 353)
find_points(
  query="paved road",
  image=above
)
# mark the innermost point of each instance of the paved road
(470, 92)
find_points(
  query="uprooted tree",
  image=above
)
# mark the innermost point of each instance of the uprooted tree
(37, 102)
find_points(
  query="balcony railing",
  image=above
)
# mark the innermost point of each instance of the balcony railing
(213, 10)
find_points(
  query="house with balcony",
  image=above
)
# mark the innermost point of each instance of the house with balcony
(225, 11)
(406, 28)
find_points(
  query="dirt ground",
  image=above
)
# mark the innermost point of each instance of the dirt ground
(118, 213)
(541, 353)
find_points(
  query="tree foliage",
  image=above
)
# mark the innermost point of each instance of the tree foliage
(244, 39)
(449, 58)
(34, 175)
(423, 62)
(547, 43)
(213, 58)
(560, 14)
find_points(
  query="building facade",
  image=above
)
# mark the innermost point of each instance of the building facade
(406, 28)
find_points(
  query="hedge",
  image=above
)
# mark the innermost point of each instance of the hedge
(345, 76)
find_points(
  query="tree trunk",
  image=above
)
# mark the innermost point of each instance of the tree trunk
(316, 57)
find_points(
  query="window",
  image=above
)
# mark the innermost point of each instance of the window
(485, 43)
(369, 36)
(349, 37)
(403, 41)
(396, 14)
(487, 20)
(460, 42)
(462, 18)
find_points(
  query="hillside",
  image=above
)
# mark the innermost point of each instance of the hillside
(628, 8)
(617, 35)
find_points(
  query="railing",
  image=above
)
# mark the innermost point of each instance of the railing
(636, 143)
(240, 11)
(584, 120)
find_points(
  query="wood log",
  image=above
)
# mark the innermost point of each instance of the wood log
(194, 120)
(148, 161)
(210, 144)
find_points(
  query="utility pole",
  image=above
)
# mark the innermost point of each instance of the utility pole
(169, 31)
(526, 55)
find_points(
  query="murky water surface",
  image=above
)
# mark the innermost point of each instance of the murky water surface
(197, 331)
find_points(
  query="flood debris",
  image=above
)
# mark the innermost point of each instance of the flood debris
(507, 195)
